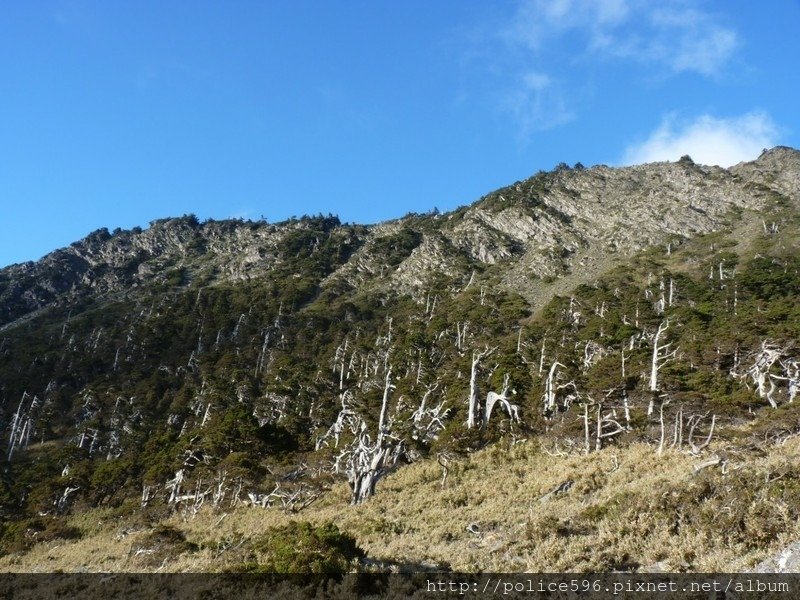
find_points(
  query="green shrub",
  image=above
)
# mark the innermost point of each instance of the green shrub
(20, 536)
(301, 547)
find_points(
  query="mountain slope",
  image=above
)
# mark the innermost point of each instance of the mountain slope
(540, 227)
(217, 365)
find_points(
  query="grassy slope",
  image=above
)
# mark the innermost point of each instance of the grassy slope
(651, 509)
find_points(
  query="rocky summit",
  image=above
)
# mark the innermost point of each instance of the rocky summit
(567, 221)
(592, 369)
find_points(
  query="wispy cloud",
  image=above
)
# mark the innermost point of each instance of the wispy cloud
(537, 103)
(538, 21)
(545, 62)
(684, 40)
(670, 36)
(708, 140)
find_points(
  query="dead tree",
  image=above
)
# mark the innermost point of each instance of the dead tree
(62, 502)
(792, 370)
(791, 375)
(443, 458)
(368, 461)
(428, 421)
(572, 313)
(174, 486)
(592, 353)
(493, 398)
(22, 423)
(262, 355)
(606, 424)
(672, 291)
(761, 372)
(147, 495)
(542, 357)
(552, 387)
(677, 432)
(698, 448)
(661, 303)
(607, 427)
(461, 335)
(662, 404)
(477, 356)
(339, 362)
(661, 355)
(346, 419)
(626, 407)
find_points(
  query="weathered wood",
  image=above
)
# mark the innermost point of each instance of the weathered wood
(660, 356)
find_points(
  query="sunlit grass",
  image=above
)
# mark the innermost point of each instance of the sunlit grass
(650, 510)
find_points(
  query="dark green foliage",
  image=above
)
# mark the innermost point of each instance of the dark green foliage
(460, 440)
(769, 278)
(393, 249)
(109, 477)
(301, 547)
(18, 536)
(236, 430)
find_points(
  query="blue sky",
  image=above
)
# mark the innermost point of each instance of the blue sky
(118, 113)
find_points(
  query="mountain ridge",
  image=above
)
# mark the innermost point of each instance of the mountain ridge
(543, 226)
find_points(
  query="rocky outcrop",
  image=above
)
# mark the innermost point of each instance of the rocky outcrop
(775, 170)
(786, 561)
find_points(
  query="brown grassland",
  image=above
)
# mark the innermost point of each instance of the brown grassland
(627, 509)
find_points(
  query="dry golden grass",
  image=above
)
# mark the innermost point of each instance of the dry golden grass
(651, 509)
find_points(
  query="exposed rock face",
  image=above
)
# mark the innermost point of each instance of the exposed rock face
(775, 169)
(786, 561)
(568, 221)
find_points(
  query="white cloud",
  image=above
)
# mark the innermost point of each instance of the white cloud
(670, 35)
(686, 39)
(567, 36)
(536, 81)
(539, 20)
(707, 140)
(537, 104)
(704, 53)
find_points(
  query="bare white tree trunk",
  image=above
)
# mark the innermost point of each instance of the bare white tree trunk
(698, 448)
(677, 437)
(461, 335)
(761, 372)
(792, 370)
(339, 359)
(387, 387)
(22, 423)
(477, 356)
(262, 354)
(428, 422)
(369, 462)
(541, 357)
(551, 389)
(493, 398)
(661, 355)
